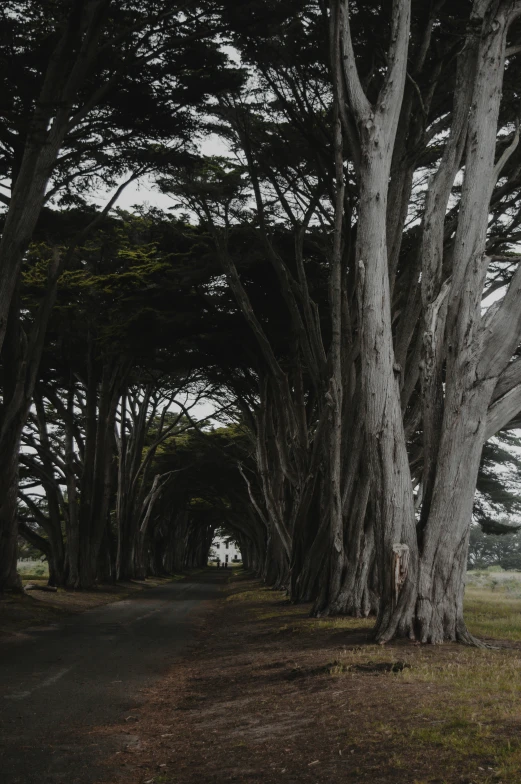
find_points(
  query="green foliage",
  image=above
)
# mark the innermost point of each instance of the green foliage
(209, 483)
(135, 108)
(494, 550)
(498, 488)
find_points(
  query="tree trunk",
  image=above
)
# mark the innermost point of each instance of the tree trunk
(477, 349)
(385, 438)
(394, 521)
(9, 577)
(20, 359)
(359, 594)
(97, 481)
(72, 521)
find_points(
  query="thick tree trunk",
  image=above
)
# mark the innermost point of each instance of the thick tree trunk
(98, 473)
(477, 349)
(336, 391)
(20, 361)
(385, 438)
(175, 556)
(443, 563)
(394, 522)
(276, 567)
(359, 594)
(9, 577)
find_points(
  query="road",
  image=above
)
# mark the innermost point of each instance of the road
(89, 671)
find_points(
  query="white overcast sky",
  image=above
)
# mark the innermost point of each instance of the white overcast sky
(144, 193)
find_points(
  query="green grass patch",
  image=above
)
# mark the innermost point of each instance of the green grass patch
(33, 570)
(493, 612)
(467, 704)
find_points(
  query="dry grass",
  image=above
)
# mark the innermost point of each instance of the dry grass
(33, 571)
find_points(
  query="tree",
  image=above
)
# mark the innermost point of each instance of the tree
(68, 125)
(126, 339)
(368, 208)
(427, 599)
(417, 361)
(502, 550)
(498, 503)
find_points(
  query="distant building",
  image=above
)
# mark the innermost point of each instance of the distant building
(225, 551)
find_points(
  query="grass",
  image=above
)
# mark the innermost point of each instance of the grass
(466, 702)
(493, 604)
(478, 710)
(491, 614)
(275, 695)
(33, 571)
(471, 698)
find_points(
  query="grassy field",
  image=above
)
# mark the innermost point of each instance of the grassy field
(458, 706)
(493, 604)
(33, 570)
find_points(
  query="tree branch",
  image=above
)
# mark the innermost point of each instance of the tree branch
(357, 98)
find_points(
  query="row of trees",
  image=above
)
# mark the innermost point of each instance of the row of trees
(349, 287)
(393, 162)
(112, 461)
(117, 478)
(74, 74)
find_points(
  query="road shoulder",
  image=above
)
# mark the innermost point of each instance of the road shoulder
(41, 608)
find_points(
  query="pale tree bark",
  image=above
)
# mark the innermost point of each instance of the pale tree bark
(469, 390)
(476, 349)
(394, 521)
(334, 395)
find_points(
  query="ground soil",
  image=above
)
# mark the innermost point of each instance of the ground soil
(267, 695)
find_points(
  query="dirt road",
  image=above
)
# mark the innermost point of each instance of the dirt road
(58, 682)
